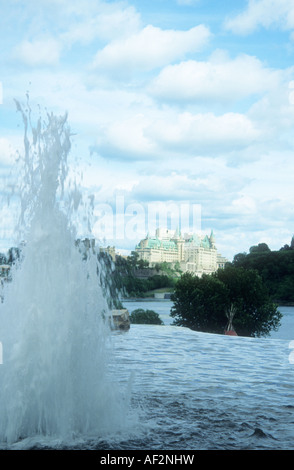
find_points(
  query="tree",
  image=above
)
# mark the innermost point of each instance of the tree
(135, 262)
(260, 248)
(14, 254)
(239, 259)
(147, 317)
(255, 313)
(3, 259)
(276, 269)
(202, 304)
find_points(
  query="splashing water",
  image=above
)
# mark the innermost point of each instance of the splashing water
(54, 380)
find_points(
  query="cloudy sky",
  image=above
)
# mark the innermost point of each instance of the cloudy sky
(187, 105)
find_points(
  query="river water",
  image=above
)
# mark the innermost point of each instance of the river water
(194, 391)
(203, 391)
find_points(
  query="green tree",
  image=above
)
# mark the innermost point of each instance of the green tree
(260, 248)
(255, 313)
(202, 304)
(146, 317)
(239, 259)
(276, 269)
(13, 255)
(3, 259)
(133, 259)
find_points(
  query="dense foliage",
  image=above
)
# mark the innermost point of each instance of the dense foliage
(276, 269)
(126, 280)
(202, 304)
(146, 317)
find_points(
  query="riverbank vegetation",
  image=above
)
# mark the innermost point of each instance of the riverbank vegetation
(252, 285)
(276, 269)
(207, 303)
(134, 278)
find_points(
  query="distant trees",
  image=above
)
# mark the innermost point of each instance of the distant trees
(170, 269)
(11, 257)
(202, 303)
(289, 247)
(125, 277)
(276, 269)
(3, 259)
(260, 248)
(135, 262)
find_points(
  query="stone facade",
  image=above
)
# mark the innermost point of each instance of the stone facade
(194, 253)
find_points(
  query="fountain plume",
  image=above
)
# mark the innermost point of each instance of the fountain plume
(54, 379)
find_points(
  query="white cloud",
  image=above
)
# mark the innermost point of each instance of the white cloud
(204, 132)
(274, 113)
(244, 205)
(219, 79)
(264, 13)
(152, 47)
(127, 137)
(162, 135)
(109, 23)
(39, 52)
(229, 160)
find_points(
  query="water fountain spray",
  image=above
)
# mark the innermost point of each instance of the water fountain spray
(54, 380)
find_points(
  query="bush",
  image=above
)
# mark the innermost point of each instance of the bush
(147, 317)
(202, 303)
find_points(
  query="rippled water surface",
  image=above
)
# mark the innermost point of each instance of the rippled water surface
(199, 391)
(204, 391)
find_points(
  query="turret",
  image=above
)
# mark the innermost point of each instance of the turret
(212, 239)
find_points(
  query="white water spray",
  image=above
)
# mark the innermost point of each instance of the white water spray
(54, 379)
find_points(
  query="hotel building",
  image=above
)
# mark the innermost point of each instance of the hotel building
(193, 253)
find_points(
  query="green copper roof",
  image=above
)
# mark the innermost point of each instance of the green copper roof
(157, 244)
(196, 241)
(205, 242)
(153, 243)
(169, 245)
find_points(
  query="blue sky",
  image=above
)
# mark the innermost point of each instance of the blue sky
(173, 103)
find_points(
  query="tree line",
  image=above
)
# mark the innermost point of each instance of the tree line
(126, 280)
(250, 287)
(247, 292)
(276, 269)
